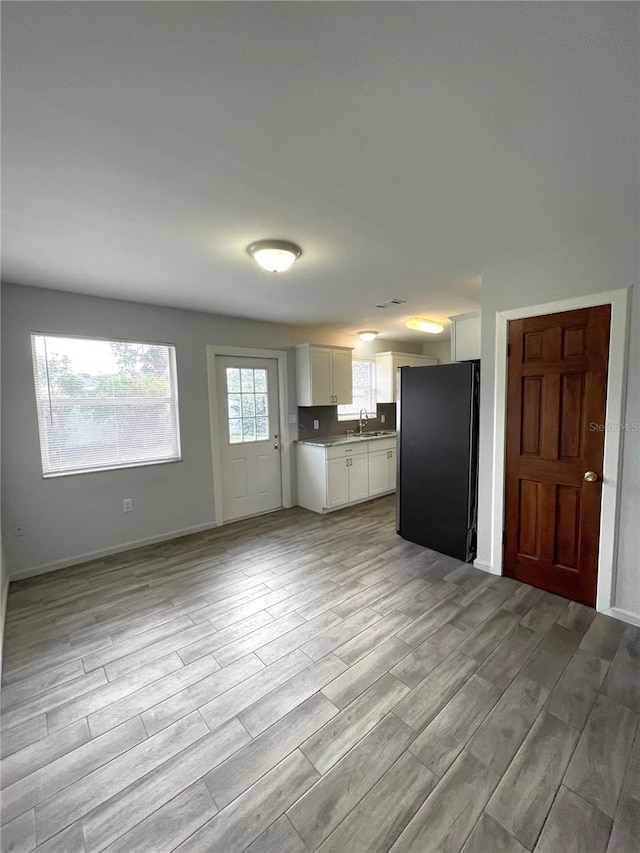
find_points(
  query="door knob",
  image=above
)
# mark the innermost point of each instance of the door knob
(277, 446)
(590, 476)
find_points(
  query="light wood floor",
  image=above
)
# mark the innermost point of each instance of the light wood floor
(299, 683)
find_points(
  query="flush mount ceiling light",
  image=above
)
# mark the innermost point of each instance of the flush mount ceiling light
(274, 255)
(367, 335)
(422, 325)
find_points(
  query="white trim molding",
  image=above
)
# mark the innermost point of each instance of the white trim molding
(484, 567)
(4, 595)
(283, 404)
(623, 615)
(616, 384)
(88, 556)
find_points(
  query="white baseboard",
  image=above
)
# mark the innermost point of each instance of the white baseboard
(623, 615)
(20, 574)
(485, 567)
(4, 593)
(617, 612)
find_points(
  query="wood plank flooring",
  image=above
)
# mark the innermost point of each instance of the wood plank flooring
(298, 683)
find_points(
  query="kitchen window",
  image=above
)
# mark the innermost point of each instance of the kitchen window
(363, 373)
(104, 404)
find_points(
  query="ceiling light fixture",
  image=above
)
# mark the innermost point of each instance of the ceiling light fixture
(274, 255)
(419, 324)
(367, 335)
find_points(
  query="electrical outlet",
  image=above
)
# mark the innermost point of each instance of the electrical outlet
(127, 505)
(383, 419)
(316, 424)
(18, 529)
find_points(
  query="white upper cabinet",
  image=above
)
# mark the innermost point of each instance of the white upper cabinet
(387, 364)
(323, 375)
(342, 375)
(465, 336)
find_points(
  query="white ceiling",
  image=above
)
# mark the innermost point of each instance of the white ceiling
(407, 147)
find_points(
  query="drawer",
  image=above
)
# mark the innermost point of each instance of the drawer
(381, 444)
(340, 451)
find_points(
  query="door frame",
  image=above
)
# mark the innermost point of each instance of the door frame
(213, 351)
(611, 479)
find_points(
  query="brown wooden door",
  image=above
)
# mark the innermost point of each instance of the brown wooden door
(556, 394)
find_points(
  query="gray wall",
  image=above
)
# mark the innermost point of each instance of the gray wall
(601, 262)
(67, 518)
(438, 349)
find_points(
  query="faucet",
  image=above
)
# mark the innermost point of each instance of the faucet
(362, 417)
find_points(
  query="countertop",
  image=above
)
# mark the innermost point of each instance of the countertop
(330, 440)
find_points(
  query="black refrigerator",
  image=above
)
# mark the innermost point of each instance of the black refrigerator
(437, 423)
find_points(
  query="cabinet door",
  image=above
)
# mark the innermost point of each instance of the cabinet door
(321, 391)
(385, 378)
(358, 477)
(342, 379)
(337, 481)
(465, 337)
(392, 470)
(378, 472)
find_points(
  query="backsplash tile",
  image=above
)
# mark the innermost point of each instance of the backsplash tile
(330, 425)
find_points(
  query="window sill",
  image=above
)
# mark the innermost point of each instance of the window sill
(54, 475)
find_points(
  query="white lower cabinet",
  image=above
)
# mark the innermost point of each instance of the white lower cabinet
(333, 476)
(382, 471)
(347, 480)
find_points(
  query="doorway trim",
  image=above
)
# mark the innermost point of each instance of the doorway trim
(616, 385)
(213, 350)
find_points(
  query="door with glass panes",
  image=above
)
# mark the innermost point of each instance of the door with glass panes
(249, 436)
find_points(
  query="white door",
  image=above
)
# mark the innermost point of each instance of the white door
(249, 435)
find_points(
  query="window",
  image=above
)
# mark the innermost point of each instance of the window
(363, 373)
(248, 409)
(104, 404)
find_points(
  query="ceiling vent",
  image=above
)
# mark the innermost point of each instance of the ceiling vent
(392, 302)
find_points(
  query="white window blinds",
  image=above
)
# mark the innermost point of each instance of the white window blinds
(104, 404)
